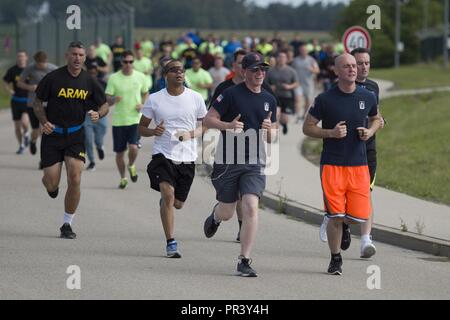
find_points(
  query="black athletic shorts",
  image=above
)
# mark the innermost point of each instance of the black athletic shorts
(372, 163)
(34, 121)
(287, 105)
(55, 147)
(123, 136)
(178, 175)
(17, 109)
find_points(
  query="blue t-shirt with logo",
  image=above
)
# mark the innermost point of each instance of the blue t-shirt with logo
(253, 108)
(334, 106)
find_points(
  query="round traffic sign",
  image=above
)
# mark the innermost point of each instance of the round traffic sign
(356, 37)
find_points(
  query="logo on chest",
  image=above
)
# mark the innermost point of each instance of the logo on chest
(70, 93)
(266, 106)
(362, 105)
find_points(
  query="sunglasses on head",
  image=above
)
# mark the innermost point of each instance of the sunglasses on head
(127, 61)
(259, 68)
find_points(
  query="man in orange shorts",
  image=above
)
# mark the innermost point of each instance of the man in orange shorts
(344, 171)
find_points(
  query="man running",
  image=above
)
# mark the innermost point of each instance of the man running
(306, 68)
(283, 80)
(249, 112)
(94, 132)
(29, 80)
(345, 177)
(237, 78)
(19, 99)
(368, 249)
(178, 112)
(70, 92)
(128, 90)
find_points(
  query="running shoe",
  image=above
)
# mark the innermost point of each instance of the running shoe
(26, 140)
(367, 249)
(335, 267)
(172, 250)
(101, 153)
(33, 148)
(323, 229)
(210, 226)
(66, 232)
(53, 194)
(346, 237)
(20, 150)
(133, 173)
(91, 166)
(123, 183)
(244, 269)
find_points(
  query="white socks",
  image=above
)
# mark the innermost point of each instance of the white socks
(68, 218)
(366, 238)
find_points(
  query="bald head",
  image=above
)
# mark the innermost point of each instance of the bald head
(345, 68)
(344, 59)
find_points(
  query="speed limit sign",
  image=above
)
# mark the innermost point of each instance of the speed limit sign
(356, 37)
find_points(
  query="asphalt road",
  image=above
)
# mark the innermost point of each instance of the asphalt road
(120, 247)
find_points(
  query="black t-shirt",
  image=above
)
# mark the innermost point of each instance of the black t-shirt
(97, 62)
(230, 83)
(254, 108)
(117, 51)
(334, 106)
(69, 98)
(372, 86)
(13, 76)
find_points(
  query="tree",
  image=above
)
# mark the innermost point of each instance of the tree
(383, 41)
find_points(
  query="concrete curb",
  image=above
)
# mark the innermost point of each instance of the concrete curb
(380, 233)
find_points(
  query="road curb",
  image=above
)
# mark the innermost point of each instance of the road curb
(380, 233)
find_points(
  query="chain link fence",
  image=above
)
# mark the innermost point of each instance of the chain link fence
(51, 35)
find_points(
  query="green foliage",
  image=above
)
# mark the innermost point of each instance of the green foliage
(412, 21)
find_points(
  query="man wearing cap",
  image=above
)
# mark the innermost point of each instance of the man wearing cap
(246, 116)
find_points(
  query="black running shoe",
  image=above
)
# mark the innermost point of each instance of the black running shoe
(101, 153)
(335, 267)
(210, 227)
(53, 194)
(285, 128)
(91, 166)
(33, 148)
(346, 237)
(66, 232)
(244, 269)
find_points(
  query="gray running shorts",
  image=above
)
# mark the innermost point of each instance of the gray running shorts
(234, 180)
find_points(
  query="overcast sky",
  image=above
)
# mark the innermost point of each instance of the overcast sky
(297, 2)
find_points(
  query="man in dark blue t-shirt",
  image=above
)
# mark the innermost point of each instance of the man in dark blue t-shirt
(245, 114)
(345, 177)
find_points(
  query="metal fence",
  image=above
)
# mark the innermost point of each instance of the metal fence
(52, 35)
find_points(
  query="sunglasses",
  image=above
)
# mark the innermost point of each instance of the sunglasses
(176, 70)
(127, 61)
(260, 68)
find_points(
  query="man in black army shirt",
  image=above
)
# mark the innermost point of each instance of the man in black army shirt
(70, 92)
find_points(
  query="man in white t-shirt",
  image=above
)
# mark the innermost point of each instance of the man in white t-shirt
(178, 112)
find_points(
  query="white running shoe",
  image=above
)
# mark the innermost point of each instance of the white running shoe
(323, 229)
(367, 249)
